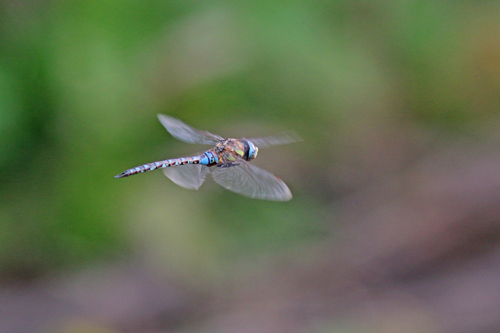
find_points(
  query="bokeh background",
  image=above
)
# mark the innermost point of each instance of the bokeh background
(395, 221)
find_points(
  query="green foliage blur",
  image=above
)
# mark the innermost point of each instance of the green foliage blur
(365, 83)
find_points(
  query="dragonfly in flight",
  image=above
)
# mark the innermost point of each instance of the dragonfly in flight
(228, 160)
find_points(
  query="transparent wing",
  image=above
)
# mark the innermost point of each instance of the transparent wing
(251, 181)
(186, 133)
(276, 139)
(189, 176)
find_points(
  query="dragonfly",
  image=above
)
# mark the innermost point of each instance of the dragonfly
(228, 162)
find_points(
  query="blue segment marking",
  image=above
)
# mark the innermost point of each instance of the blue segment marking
(208, 158)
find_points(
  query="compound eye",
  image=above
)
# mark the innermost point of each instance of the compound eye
(252, 151)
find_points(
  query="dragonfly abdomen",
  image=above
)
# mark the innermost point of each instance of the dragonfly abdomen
(207, 158)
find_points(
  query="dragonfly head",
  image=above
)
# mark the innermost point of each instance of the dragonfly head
(252, 151)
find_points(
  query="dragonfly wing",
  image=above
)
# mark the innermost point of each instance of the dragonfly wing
(186, 133)
(276, 139)
(251, 181)
(189, 176)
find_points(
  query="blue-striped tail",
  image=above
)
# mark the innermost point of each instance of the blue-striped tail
(207, 158)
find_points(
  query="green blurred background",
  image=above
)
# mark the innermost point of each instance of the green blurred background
(398, 103)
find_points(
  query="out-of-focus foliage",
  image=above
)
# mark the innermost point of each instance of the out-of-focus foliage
(369, 85)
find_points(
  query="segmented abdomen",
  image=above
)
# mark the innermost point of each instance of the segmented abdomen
(207, 158)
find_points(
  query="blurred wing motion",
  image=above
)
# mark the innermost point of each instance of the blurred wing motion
(251, 181)
(190, 176)
(186, 133)
(276, 139)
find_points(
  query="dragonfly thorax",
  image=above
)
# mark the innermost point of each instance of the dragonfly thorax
(233, 148)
